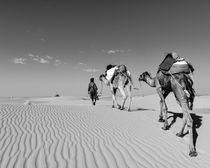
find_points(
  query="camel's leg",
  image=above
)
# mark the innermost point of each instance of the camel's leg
(189, 122)
(124, 97)
(113, 97)
(163, 105)
(114, 100)
(163, 108)
(182, 100)
(159, 91)
(187, 119)
(181, 133)
(129, 90)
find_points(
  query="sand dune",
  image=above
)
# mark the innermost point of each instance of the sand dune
(62, 132)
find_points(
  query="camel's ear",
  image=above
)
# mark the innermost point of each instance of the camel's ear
(147, 73)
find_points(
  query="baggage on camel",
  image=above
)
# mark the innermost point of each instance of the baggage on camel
(171, 65)
(114, 70)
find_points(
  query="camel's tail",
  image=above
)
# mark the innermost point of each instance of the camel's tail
(189, 87)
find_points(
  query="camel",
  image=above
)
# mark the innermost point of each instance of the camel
(181, 85)
(120, 82)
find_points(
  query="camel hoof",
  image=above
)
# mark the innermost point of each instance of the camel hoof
(128, 110)
(119, 107)
(113, 106)
(122, 108)
(165, 127)
(180, 135)
(193, 153)
(161, 119)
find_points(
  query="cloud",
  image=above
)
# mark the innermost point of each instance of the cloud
(115, 51)
(39, 59)
(43, 61)
(19, 60)
(91, 70)
(31, 55)
(81, 63)
(57, 62)
(46, 59)
(49, 57)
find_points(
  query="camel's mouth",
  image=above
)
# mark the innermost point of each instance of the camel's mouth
(141, 77)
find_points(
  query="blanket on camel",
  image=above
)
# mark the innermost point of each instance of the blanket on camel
(171, 65)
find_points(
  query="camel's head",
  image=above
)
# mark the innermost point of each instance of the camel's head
(102, 78)
(143, 76)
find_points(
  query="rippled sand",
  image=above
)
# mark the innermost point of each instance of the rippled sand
(63, 132)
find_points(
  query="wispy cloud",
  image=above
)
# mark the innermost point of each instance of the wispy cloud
(57, 62)
(49, 57)
(91, 70)
(46, 59)
(82, 63)
(39, 59)
(19, 60)
(114, 51)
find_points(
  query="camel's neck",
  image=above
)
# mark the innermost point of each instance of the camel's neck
(150, 81)
(105, 81)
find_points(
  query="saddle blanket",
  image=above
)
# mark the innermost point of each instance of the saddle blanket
(111, 72)
(179, 67)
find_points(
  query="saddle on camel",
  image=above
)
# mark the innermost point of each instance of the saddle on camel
(113, 70)
(173, 64)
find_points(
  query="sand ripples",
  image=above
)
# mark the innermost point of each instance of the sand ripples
(51, 136)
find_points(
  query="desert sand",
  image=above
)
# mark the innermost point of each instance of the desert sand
(66, 132)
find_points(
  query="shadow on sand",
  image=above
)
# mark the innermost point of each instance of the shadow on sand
(197, 122)
(141, 109)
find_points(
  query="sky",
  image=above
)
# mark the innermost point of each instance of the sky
(50, 47)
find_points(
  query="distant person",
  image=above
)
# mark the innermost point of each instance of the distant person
(93, 91)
